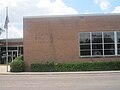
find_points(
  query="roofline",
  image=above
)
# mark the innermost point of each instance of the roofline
(13, 39)
(72, 15)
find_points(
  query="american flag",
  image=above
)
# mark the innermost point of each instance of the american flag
(6, 19)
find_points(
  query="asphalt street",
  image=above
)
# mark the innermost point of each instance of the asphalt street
(101, 81)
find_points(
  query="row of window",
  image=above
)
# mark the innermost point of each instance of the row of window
(99, 43)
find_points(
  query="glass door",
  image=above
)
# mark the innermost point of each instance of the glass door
(12, 54)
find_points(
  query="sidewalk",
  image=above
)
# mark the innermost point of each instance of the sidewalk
(3, 71)
(57, 73)
(3, 68)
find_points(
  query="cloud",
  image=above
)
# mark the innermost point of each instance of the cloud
(20, 8)
(103, 4)
(13, 32)
(56, 7)
(116, 10)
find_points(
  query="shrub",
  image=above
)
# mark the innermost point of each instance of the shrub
(78, 66)
(17, 65)
(43, 67)
(19, 58)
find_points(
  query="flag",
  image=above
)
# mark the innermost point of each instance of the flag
(6, 19)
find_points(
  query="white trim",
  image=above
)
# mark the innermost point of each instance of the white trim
(115, 38)
(13, 46)
(79, 42)
(103, 43)
(91, 43)
(99, 56)
(70, 15)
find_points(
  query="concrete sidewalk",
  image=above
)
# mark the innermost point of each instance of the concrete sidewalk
(3, 68)
(57, 73)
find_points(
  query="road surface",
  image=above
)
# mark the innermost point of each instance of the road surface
(101, 81)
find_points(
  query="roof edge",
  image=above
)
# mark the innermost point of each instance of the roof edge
(72, 15)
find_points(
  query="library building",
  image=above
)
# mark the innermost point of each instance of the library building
(70, 38)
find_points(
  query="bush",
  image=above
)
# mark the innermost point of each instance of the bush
(46, 67)
(17, 65)
(19, 58)
(78, 66)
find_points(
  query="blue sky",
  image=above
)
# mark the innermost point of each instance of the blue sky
(89, 6)
(82, 6)
(20, 8)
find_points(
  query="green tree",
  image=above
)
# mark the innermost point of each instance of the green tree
(1, 30)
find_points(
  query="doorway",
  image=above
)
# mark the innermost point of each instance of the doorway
(12, 54)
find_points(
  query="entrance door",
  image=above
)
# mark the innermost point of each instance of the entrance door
(12, 54)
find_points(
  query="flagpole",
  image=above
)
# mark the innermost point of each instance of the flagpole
(7, 48)
(7, 40)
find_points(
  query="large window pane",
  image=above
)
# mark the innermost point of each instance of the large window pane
(118, 46)
(97, 52)
(109, 52)
(96, 40)
(97, 46)
(84, 35)
(96, 37)
(85, 53)
(12, 48)
(85, 44)
(108, 37)
(99, 43)
(118, 41)
(84, 47)
(84, 38)
(109, 46)
(118, 51)
(118, 37)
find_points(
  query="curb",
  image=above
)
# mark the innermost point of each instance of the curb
(57, 73)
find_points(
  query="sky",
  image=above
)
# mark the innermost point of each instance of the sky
(22, 8)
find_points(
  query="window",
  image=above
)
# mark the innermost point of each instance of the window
(118, 43)
(96, 44)
(97, 48)
(109, 43)
(85, 44)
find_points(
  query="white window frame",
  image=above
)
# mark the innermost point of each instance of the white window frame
(115, 43)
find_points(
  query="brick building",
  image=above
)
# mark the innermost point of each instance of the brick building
(71, 38)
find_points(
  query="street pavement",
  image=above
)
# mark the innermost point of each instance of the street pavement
(61, 81)
(92, 80)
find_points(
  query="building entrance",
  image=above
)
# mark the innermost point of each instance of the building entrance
(13, 52)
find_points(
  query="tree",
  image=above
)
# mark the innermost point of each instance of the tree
(1, 30)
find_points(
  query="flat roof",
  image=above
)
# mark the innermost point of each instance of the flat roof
(73, 15)
(12, 40)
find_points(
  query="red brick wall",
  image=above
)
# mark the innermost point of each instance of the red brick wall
(56, 38)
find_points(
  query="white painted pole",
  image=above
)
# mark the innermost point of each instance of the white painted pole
(7, 48)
